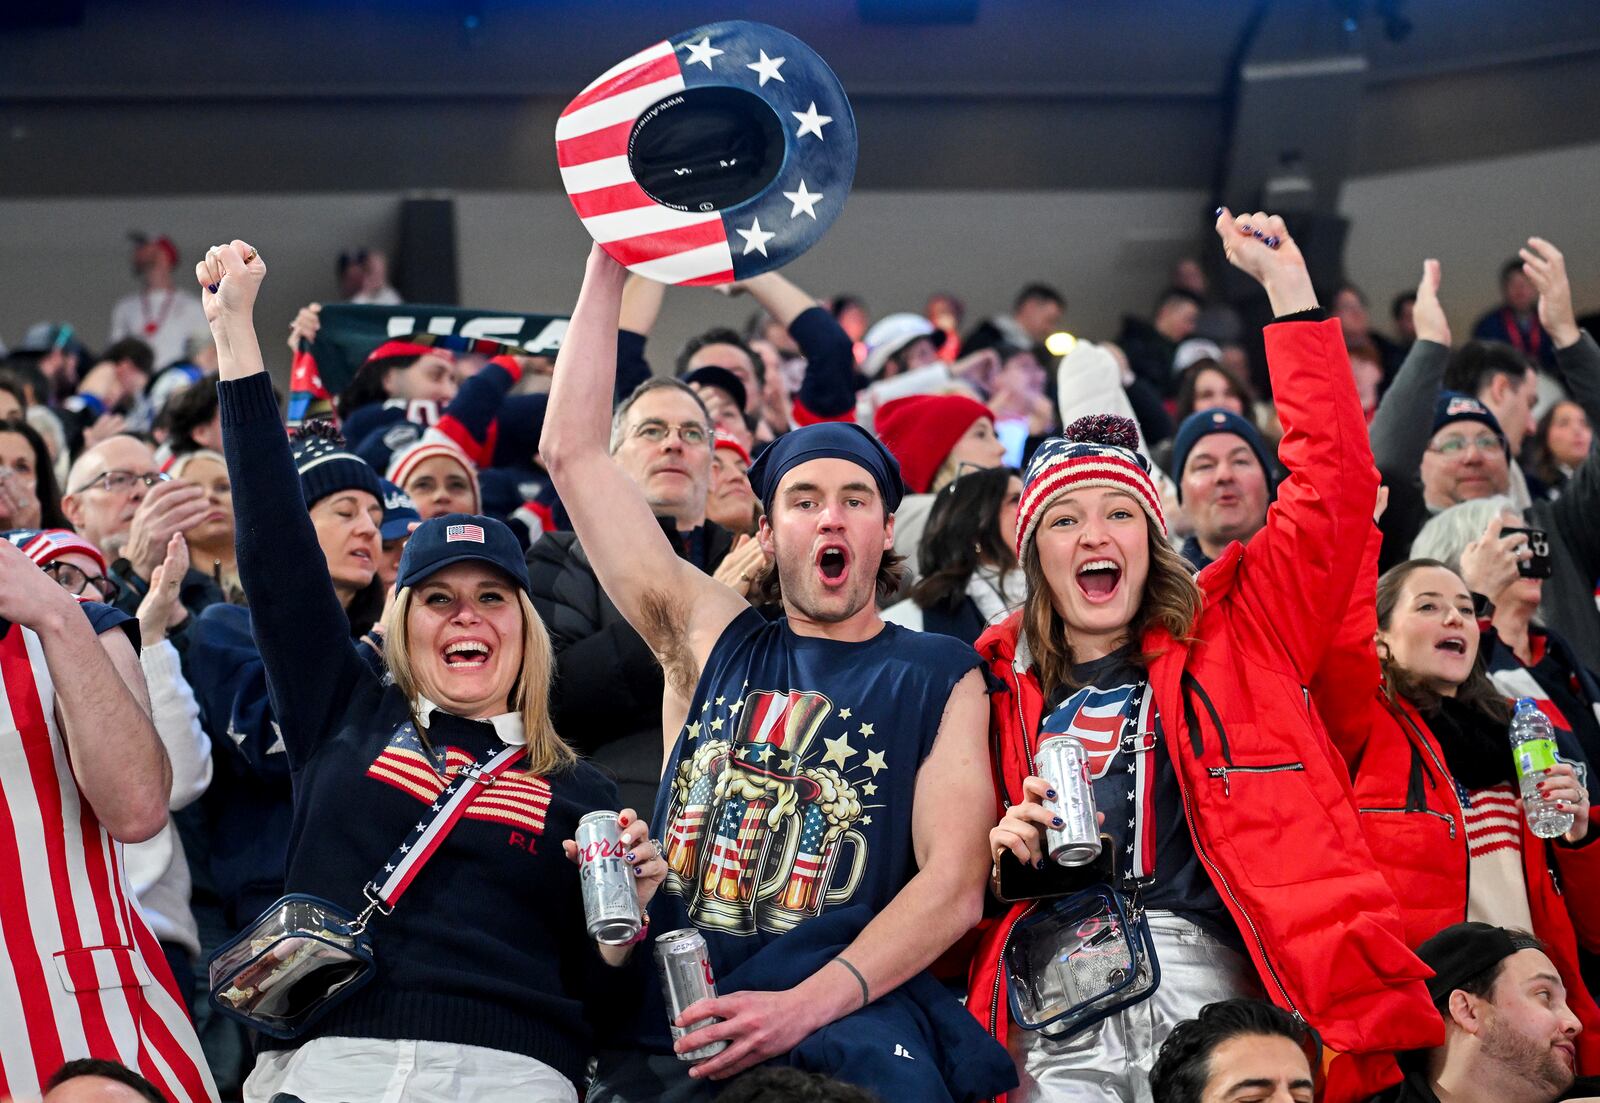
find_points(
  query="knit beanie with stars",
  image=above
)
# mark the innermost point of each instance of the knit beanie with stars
(326, 466)
(1100, 450)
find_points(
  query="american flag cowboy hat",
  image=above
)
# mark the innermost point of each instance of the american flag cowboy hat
(713, 156)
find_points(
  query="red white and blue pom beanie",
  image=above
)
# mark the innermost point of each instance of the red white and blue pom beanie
(1101, 450)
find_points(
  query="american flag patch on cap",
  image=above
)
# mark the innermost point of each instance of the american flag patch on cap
(454, 533)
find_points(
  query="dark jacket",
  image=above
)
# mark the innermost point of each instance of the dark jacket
(606, 697)
(247, 812)
(1400, 436)
(197, 592)
(1149, 354)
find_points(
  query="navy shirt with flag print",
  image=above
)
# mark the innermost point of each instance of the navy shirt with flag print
(790, 789)
(718, 154)
(1136, 787)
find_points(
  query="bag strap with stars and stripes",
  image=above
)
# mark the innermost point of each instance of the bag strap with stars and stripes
(384, 890)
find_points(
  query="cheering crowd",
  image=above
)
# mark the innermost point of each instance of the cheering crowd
(804, 617)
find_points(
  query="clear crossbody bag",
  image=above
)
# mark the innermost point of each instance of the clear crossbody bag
(303, 956)
(1084, 951)
(1078, 959)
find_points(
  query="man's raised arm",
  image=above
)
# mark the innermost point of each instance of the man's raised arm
(631, 556)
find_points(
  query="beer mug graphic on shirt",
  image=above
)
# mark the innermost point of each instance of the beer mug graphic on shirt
(829, 808)
(753, 802)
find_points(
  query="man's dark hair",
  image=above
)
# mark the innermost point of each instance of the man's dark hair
(1474, 365)
(787, 1085)
(1184, 1064)
(1038, 292)
(1509, 267)
(106, 1070)
(1177, 294)
(187, 410)
(721, 336)
(131, 348)
(1400, 302)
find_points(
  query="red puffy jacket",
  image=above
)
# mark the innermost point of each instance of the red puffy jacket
(1267, 798)
(1411, 812)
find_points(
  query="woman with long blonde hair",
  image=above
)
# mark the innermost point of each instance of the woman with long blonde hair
(1230, 850)
(485, 974)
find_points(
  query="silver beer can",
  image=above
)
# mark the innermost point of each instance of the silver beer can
(610, 904)
(1064, 764)
(686, 978)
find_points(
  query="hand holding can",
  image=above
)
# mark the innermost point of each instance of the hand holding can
(686, 978)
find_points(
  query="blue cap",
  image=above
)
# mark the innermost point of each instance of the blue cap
(399, 512)
(461, 538)
(1202, 423)
(1453, 406)
(843, 440)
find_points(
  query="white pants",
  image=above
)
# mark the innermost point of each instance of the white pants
(374, 1070)
(1111, 1060)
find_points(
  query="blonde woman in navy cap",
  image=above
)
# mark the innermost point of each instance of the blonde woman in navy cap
(485, 975)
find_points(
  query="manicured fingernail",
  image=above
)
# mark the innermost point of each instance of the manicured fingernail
(1056, 822)
(1245, 227)
(211, 287)
(628, 857)
(622, 821)
(636, 871)
(1049, 794)
(1219, 212)
(1039, 864)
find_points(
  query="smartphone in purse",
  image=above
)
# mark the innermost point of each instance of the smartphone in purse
(1077, 959)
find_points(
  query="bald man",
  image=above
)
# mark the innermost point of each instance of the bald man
(119, 501)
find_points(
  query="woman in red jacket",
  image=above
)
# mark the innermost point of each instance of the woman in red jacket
(1229, 815)
(1435, 782)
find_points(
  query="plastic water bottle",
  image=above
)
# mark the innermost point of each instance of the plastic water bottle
(1533, 746)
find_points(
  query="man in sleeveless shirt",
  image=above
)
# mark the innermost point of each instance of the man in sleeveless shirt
(823, 794)
(81, 765)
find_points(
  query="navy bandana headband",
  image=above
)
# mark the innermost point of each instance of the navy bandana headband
(828, 440)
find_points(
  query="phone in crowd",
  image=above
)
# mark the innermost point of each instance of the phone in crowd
(1539, 566)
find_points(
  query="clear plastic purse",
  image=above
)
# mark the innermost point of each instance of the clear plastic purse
(294, 964)
(1079, 959)
(305, 955)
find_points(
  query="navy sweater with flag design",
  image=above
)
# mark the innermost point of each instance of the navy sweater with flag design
(488, 946)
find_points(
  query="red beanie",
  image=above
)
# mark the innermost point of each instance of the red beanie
(921, 429)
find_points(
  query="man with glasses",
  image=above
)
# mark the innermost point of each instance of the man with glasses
(120, 502)
(606, 697)
(1466, 454)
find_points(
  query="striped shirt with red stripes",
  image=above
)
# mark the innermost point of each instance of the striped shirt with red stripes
(84, 977)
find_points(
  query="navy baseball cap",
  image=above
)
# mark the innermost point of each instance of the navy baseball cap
(399, 513)
(461, 538)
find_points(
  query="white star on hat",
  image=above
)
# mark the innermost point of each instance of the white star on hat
(701, 52)
(803, 201)
(755, 238)
(811, 122)
(767, 67)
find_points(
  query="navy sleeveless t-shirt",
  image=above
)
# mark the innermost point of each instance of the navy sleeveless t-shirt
(790, 789)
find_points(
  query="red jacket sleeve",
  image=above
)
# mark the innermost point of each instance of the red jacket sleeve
(1580, 879)
(1298, 571)
(1344, 683)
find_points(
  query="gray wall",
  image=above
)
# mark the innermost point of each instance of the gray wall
(1108, 251)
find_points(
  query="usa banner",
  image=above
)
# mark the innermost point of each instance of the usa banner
(350, 332)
